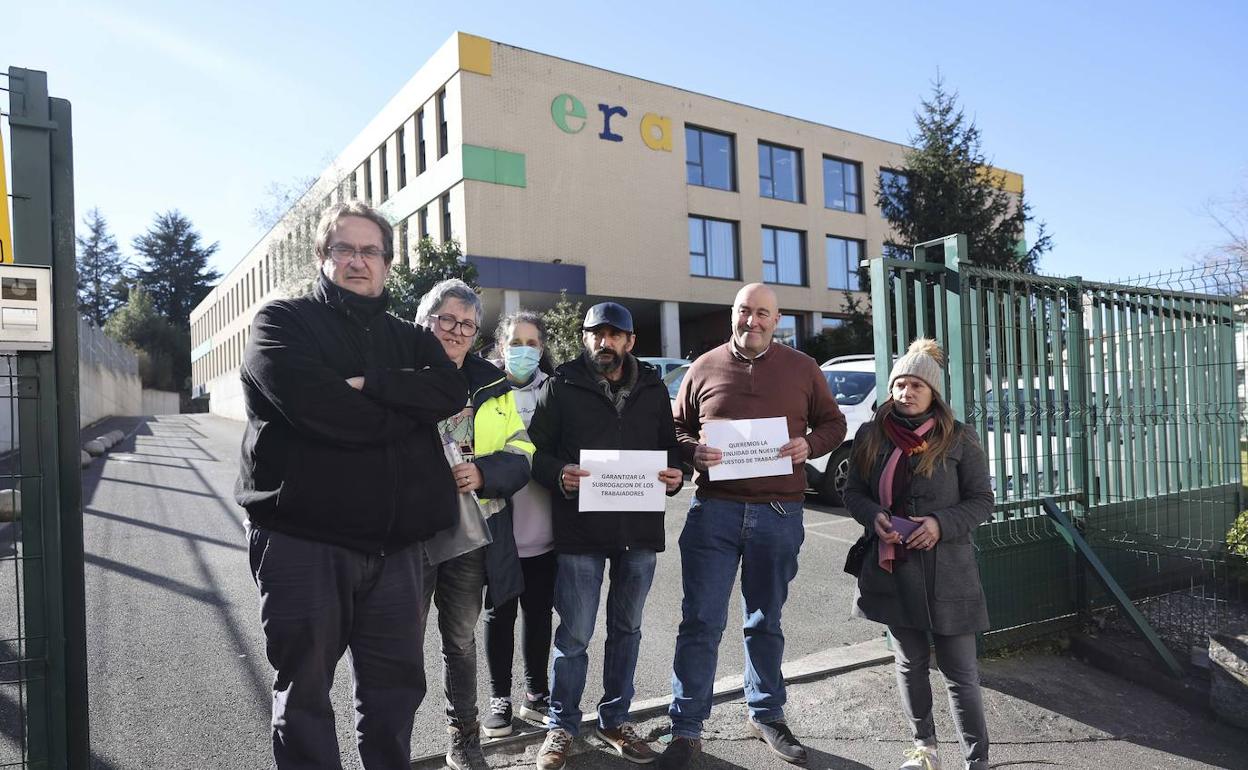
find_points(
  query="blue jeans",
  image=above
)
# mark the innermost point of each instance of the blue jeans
(764, 538)
(578, 586)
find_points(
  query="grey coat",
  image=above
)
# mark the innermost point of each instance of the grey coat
(937, 590)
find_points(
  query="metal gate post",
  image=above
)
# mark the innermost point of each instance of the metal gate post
(961, 371)
(54, 607)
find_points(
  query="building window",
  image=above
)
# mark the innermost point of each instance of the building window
(779, 172)
(422, 223)
(842, 185)
(420, 142)
(403, 242)
(383, 166)
(442, 139)
(896, 251)
(788, 330)
(784, 256)
(830, 323)
(710, 159)
(368, 182)
(892, 183)
(844, 254)
(446, 217)
(713, 248)
(398, 142)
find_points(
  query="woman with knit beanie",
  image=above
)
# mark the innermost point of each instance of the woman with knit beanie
(918, 483)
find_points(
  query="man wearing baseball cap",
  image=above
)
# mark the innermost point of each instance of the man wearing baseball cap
(603, 399)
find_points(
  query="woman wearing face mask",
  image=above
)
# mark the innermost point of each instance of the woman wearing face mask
(520, 342)
(918, 482)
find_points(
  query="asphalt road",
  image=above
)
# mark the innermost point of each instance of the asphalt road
(177, 670)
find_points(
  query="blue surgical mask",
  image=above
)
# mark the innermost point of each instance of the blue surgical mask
(522, 360)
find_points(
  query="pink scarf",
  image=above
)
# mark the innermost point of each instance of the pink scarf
(889, 553)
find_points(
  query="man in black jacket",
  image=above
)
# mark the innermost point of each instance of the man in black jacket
(603, 399)
(341, 471)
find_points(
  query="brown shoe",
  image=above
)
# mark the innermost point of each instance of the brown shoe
(679, 753)
(555, 750)
(627, 743)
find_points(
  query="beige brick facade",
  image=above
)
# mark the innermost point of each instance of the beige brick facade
(611, 215)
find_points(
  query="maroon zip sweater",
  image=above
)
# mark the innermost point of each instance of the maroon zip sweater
(782, 382)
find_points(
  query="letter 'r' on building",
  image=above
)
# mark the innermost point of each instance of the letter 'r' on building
(607, 112)
(656, 132)
(567, 106)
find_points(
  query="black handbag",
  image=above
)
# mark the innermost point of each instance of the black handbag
(858, 554)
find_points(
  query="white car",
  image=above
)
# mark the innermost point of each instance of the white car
(852, 381)
(665, 365)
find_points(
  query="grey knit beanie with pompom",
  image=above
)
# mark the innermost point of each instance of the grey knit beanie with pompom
(923, 359)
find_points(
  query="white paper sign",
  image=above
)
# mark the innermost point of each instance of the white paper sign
(750, 448)
(622, 480)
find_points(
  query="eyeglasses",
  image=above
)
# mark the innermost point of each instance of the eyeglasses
(447, 323)
(342, 253)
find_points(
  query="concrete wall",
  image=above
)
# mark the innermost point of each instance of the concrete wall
(160, 402)
(108, 377)
(227, 396)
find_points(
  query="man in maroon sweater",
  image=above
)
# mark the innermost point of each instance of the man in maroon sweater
(755, 523)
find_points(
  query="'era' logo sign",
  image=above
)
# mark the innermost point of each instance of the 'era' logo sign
(569, 115)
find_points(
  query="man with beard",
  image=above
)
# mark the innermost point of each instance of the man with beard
(603, 399)
(755, 523)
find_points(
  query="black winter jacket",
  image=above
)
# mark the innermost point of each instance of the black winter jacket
(324, 461)
(573, 413)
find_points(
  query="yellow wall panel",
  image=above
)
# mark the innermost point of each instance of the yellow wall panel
(474, 54)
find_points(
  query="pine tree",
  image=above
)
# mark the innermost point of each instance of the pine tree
(175, 271)
(947, 187)
(434, 263)
(101, 270)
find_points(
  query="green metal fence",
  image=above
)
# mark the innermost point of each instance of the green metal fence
(43, 679)
(1121, 403)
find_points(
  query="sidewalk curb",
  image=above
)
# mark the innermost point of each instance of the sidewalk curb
(839, 660)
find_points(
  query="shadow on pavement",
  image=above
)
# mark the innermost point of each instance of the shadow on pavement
(820, 760)
(1119, 708)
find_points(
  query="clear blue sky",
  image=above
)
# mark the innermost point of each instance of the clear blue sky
(1125, 118)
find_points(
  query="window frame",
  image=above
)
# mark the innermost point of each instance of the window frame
(801, 174)
(802, 251)
(857, 194)
(850, 271)
(889, 170)
(701, 162)
(443, 138)
(736, 248)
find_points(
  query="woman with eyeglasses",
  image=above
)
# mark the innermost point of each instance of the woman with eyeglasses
(918, 483)
(490, 456)
(521, 341)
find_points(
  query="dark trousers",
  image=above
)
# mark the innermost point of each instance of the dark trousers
(537, 602)
(454, 586)
(956, 658)
(317, 601)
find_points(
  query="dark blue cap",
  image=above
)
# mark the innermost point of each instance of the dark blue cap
(609, 314)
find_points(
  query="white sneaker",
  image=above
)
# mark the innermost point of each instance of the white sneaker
(921, 758)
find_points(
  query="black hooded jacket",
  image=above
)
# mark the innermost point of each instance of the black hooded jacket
(573, 413)
(324, 461)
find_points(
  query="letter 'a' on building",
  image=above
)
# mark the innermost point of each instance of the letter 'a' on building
(6, 230)
(558, 176)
